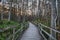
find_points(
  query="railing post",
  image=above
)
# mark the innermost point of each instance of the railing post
(13, 34)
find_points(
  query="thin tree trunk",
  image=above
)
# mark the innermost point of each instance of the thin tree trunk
(53, 18)
(39, 9)
(2, 15)
(2, 10)
(9, 14)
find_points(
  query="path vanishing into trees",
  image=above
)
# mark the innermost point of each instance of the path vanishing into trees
(31, 33)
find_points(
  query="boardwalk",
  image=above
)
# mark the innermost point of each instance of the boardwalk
(31, 33)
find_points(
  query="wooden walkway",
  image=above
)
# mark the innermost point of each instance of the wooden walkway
(31, 33)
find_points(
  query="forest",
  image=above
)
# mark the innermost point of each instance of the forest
(15, 16)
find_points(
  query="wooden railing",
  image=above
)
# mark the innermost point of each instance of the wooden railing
(43, 31)
(13, 32)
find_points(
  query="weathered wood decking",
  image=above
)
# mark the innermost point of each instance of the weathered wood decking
(31, 33)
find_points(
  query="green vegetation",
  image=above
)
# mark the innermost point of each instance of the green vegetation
(45, 22)
(5, 23)
(9, 32)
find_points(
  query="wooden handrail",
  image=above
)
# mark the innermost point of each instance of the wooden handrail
(48, 34)
(50, 28)
(13, 30)
(41, 26)
(7, 28)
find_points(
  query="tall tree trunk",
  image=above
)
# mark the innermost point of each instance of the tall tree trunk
(9, 14)
(53, 18)
(39, 8)
(2, 10)
(2, 15)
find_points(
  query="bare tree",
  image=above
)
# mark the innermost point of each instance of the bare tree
(2, 10)
(53, 17)
(10, 8)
